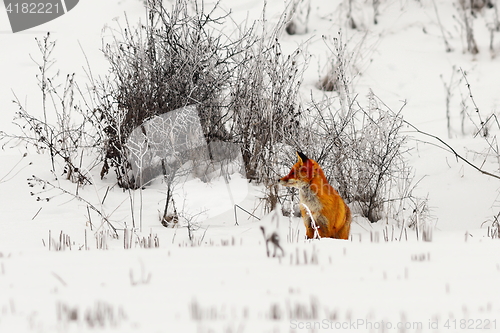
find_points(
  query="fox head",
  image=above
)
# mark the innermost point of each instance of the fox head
(302, 173)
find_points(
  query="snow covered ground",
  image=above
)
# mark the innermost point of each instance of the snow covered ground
(383, 280)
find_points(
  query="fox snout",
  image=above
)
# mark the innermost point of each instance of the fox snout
(283, 181)
(288, 182)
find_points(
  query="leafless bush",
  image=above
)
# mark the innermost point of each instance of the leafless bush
(486, 126)
(244, 88)
(346, 61)
(62, 128)
(361, 148)
(473, 121)
(177, 59)
(363, 153)
(193, 224)
(338, 74)
(265, 106)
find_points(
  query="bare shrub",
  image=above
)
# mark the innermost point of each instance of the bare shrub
(347, 58)
(363, 154)
(62, 128)
(243, 87)
(474, 122)
(337, 76)
(485, 126)
(361, 148)
(265, 106)
(177, 59)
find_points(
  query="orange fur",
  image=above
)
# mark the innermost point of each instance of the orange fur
(330, 213)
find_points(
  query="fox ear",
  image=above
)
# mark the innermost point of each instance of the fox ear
(302, 158)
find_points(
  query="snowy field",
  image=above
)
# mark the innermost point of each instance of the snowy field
(384, 279)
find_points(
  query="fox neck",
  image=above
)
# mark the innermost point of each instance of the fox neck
(310, 198)
(311, 193)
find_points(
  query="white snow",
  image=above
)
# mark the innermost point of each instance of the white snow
(222, 280)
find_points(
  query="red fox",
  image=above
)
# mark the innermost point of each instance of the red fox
(331, 215)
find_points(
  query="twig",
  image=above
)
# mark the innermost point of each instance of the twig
(448, 47)
(203, 237)
(243, 209)
(2, 180)
(313, 222)
(59, 279)
(80, 199)
(483, 124)
(90, 218)
(457, 155)
(105, 195)
(36, 214)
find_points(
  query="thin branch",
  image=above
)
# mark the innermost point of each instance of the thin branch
(450, 149)
(91, 206)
